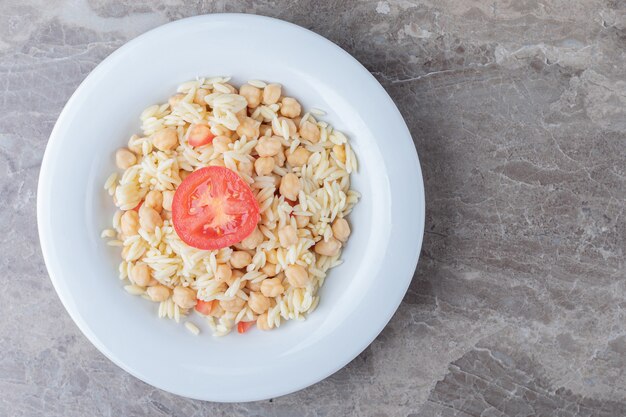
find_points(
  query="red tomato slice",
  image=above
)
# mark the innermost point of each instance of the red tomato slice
(138, 206)
(214, 208)
(205, 307)
(243, 326)
(199, 135)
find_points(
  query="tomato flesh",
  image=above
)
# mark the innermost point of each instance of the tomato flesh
(199, 135)
(205, 307)
(214, 208)
(243, 326)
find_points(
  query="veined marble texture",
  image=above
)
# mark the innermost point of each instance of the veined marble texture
(518, 113)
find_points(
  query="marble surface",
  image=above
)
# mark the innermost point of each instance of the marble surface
(517, 307)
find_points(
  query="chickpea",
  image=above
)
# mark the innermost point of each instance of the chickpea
(217, 163)
(235, 305)
(201, 93)
(246, 167)
(299, 157)
(287, 236)
(341, 229)
(290, 187)
(330, 248)
(340, 152)
(272, 256)
(220, 144)
(217, 311)
(154, 199)
(278, 130)
(198, 133)
(264, 128)
(252, 95)
(240, 259)
(269, 269)
(297, 120)
(261, 322)
(175, 99)
(279, 159)
(268, 146)
(297, 276)
(236, 274)
(271, 93)
(166, 139)
(168, 197)
(158, 293)
(149, 218)
(184, 297)
(272, 287)
(231, 88)
(253, 286)
(290, 108)
(254, 240)
(302, 221)
(258, 302)
(264, 165)
(310, 131)
(248, 128)
(223, 273)
(140, 273)
(182, 174)
(124, 158)
(129, 223)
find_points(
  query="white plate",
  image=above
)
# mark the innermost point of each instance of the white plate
(358, 298)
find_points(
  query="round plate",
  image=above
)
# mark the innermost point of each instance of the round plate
(358, 298)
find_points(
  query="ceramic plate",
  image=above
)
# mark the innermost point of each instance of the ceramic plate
(358, 298)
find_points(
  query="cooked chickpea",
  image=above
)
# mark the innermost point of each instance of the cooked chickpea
(269, 269)
(253, 286)
(166, 139)
(330, 248)
(287, 236)
(271, 93)
(261, 322)
(201, 93)
(290, 108)
(258, 302)
(129, 223)
(217, 163)
(302, 221)
(158, 293)
(278, 130)
(272, 287)
(154, 199)
(184, 297)
(340, 152)
(254, 240)
(223, 273)
(279, 159)
(175, 99)
(149, 218)
(240, 259)
(182, 174)
(246, 167)
(297, 276)
(264, 165)
(231, 88)
(268, 146)
(290, 187)
(235, 305)
(252, 95)
(248, 128)
(299, 157)
(341, 229)
(168, 197)
(140, 273)
(217, 310)
(220, 144)
(310, 131)
(124, 158)
(272, 256)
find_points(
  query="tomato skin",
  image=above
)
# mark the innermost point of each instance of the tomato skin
(205, 307)
(199, 135)
(138, 206)
(214, 208)
(243, 326)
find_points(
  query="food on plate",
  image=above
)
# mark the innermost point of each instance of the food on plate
(232, 204)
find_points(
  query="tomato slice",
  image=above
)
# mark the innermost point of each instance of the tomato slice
(199, 135)
(138, 206)
(214, 208)
(205, 307)
(243, 326)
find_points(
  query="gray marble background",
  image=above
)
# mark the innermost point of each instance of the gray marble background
(517, 109)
